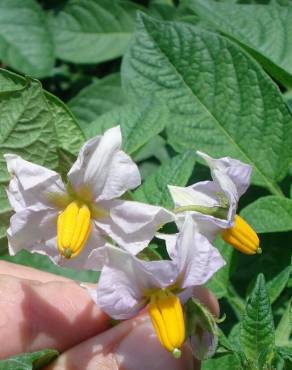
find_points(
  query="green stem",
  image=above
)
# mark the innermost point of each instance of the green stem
(219, 212)
(276, 190)
(236, 302)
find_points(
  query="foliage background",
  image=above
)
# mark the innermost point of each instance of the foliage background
(179, 76)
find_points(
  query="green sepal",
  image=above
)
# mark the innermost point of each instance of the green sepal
(201, 327)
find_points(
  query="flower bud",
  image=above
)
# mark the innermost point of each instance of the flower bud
(73, 229)
(242, 237)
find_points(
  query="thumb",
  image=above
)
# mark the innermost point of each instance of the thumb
(131, 345)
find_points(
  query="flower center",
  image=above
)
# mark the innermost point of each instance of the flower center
(167, 317)
(242, 237)
(73, 229)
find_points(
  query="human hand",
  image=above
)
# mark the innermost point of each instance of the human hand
(40, 310)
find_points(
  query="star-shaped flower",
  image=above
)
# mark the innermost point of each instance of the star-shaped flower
(127, 284)
(71, 220)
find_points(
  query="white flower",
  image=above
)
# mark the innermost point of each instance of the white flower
(86, 209)
(213, 204)
(127, 284)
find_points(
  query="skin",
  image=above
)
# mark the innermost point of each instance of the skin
(43, 310)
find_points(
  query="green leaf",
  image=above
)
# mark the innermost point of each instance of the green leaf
(25, 40)
(221, 100)
(263, 30)
(27, 127)
(286, 353)
(147, 169)
(234, 336)
(10, 81)
(225, 344)
(66, 160)
(155, 147)
(220, 281)
(32, 124)
(139, 122)
(288, 98)
(29, 361)
(90, 31)
(235, 301)
(175, 171)
(165, 11)
(5, 214)
(69, 135)
(257, 335)
(269, 214)
(228, 362)
(151, 253)
(276, 286)
(284, 329)
(98, 98)
(162, 2)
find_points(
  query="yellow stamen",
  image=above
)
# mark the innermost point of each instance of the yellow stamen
(242, 237)
(168, 320)
(74, 227)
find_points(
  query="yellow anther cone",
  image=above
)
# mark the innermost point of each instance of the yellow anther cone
(73, 229)
(242, 237)
(168, 320)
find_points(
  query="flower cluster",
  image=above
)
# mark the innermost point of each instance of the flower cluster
(85, 223)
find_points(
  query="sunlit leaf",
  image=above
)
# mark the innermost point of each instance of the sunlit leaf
(284, 329)
(100, 97)
(262, 30)
(139, 121)
(25, 41)
(257, 336)
(221, 100)
(90, 31)
(175, 171)
(269, 214)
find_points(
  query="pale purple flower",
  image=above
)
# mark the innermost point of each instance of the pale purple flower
(231, 178)
(125, 278)
(101, 174)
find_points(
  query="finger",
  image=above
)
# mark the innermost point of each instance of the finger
(208, 299)
(45, 315)
(130, 345)
(20, 271)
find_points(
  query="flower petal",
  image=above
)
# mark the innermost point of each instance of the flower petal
(170, 241)
(196, 258)
(125, 279)
(35, 230)
(103, 169)
(31, 228)
(133, 224)
(225, 170)
(231, 178)
(31, 184)
(200, 194)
